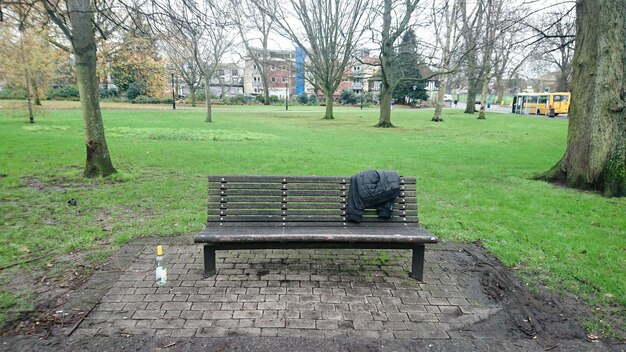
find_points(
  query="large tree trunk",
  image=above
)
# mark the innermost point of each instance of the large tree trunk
(84, 44)
(596, 143)
(329, 107)
(470, 108)
(384, 120)
(443, 85)
(207, 93)
(192, 93)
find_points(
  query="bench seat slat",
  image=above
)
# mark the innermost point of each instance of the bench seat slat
(294, 186)
(251, 198)
(322, 218)
(290, 212)
(341, 206)
(378, 238)
(290, 192)
(289, 179)
(315, 233)
(333, 224)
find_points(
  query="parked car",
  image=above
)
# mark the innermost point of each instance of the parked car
(447, 98)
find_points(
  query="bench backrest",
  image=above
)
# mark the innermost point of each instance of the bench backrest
(236, 200)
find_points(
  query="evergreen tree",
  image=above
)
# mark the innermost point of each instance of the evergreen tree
(406, 67)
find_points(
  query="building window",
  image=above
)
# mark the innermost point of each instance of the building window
(273, 67)
(285, 79)
(273, 79)
(234, 73)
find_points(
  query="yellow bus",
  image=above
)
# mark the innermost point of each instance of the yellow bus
(551, 104)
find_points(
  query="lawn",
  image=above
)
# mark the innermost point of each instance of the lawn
(473, 183)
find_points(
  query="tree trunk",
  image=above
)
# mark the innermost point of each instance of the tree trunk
(84, 44)
(27, 80)
(207, 93)
(470, 108)
(329, 107)
(386, 94)
(192, 95)
(266, 93)
(596, 143)
(36, 97)
(443, 85)
(483, 98)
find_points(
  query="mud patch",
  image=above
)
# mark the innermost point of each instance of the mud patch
(56, 184)
(540, 316)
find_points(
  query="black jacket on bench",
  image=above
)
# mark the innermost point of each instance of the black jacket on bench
(372, 189)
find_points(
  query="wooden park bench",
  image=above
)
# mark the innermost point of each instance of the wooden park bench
(275, 212)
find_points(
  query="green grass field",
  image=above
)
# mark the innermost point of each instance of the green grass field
(473, 183)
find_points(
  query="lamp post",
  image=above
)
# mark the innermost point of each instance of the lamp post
(287, 96)
(361, 99)
(173, 93)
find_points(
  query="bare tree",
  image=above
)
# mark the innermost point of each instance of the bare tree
(557, 43)
(75, 18)
(471, 27)
(447, 37)
(182, 58)
(394, 20)
(596, 143)
(493, 29)
(251, 21)
(509, 55)
(203, 28)
(329, 34)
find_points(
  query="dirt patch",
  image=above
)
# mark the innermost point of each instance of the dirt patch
(539, 316)
(49, 295)
(56, 184)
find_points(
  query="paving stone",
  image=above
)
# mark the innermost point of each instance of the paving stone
(367, 325)
(300, 323)
(176, 305)
(419, 317)
(218, 314)
(243, 314)
(206, 306)
(269, 323)
(167, 323)
(272, 305)
(149, 314)
(197, 323)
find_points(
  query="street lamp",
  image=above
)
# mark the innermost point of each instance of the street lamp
(361, 99)
(173, 93)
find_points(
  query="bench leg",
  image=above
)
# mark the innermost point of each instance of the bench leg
(417, 265)
(209, 260)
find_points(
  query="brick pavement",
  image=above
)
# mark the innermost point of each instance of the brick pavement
(307, 293)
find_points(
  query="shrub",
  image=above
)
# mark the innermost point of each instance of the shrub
(303, 99)
(348, 97)
(12, 93)
(109, 93)
(144, 99)
(135, 89)
(312, 99)
(63, 93)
